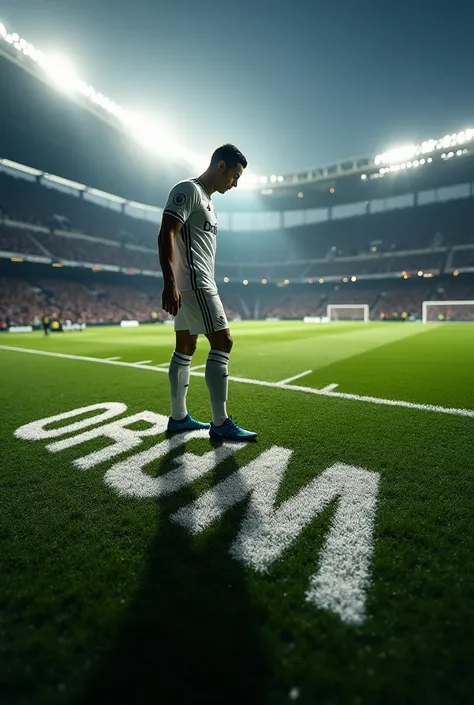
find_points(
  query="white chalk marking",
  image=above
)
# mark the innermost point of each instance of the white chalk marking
(260, 383)
(36, 431)
(329, 387)
(112, 358)
(292, 379)
(128, 478)
(197, 367)
(341, 582)
(125, 438)
(142, 362)
(163, 364)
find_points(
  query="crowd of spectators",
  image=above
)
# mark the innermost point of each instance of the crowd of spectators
(39, 220)
(24, 303)
(127, 242)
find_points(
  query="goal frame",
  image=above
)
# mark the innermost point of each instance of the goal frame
(425, 304)
(365, 307)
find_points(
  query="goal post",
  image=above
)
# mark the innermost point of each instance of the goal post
(348, 312)
(447, 311)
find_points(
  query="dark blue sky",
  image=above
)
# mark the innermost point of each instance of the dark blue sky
(293, 84)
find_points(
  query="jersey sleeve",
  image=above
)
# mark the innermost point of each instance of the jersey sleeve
(182, 200)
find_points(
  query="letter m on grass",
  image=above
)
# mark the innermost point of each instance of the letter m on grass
(342, 578)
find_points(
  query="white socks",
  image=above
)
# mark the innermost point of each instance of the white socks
(216, 379)
(217, 383)
(178, 376)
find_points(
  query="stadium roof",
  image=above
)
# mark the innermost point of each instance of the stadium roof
(58, 72)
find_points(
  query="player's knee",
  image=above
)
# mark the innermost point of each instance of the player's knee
(227, 343)
(221, 340)
(188, 348)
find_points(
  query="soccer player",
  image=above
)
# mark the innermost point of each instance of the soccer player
(46, 322)
(187, 252)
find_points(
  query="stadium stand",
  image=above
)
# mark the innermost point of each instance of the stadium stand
(406, 240)
(59, 226)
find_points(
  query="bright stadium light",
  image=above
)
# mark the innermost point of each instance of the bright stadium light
(411, 151)
(61, 73)
(273, 178)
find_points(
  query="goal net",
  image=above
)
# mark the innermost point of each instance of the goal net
(348, 312)
(445, 311)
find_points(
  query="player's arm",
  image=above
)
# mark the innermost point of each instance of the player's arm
(183, 199)
(170, 228)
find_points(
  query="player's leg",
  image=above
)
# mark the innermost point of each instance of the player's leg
(179, 374)
(217, 372)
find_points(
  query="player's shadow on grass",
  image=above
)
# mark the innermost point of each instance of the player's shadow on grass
(191, 634)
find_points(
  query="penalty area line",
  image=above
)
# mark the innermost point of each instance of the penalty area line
(260, 383)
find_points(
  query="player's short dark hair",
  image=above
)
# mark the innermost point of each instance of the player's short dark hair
(229, 154)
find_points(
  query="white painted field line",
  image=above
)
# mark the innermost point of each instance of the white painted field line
(260, 383)
(197, 367)
(163, 364)
(142, 362)
(112, 358)
(329, 387)
(292, 379)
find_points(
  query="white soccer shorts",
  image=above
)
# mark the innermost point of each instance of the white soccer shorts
(201, 312)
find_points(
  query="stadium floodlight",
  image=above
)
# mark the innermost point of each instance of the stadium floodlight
(64, 77)
(410, 151)
(447, 312)
(348, 312)
(61, 73)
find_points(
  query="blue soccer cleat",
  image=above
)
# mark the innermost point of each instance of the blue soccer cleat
(229, 431)
(186, 424)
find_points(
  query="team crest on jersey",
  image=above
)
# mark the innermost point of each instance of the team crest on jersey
(179, 199)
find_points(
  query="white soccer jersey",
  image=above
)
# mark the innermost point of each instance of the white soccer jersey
(195, 246)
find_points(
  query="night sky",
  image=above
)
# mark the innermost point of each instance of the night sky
(293, 84)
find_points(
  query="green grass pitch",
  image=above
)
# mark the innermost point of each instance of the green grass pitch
(106, 597)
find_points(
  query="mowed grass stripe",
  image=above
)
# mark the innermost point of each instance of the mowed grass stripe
(102, 596)
(261, 383)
